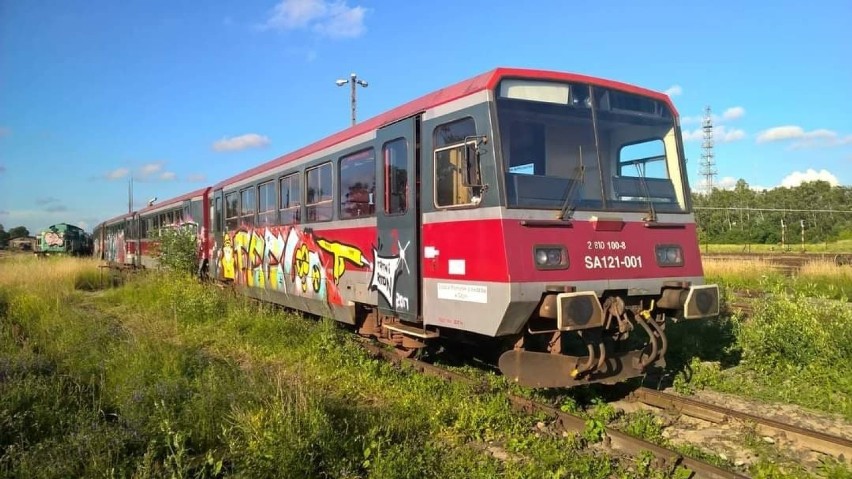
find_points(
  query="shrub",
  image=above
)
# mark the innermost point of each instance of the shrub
(179, 250)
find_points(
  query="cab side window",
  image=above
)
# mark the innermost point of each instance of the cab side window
(451, 169)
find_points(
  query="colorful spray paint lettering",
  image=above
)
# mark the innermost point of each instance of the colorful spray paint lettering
(286, 259)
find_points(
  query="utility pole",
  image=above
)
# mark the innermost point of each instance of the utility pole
(708, 162)
(802, 222)
(353, 81)
(783, 233)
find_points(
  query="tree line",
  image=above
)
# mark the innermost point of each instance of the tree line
(745, 216)
(16, 232)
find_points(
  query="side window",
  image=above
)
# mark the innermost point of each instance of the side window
(644, 159)
(451, 169)
(395, 154)
(291, 199)
(232, 211)
(217, 213)
(247, 207)
(267, 211)
(358, 185)
(318, 189)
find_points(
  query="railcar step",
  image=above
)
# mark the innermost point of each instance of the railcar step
(411, 330)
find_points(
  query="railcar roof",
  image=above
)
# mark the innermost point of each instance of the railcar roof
(485, 81)
(173, 201)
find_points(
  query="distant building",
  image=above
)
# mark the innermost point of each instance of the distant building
(23, 243)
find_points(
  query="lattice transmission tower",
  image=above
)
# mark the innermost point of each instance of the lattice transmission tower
(708, 162)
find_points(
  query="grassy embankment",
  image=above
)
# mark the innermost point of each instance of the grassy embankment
(794, 347)
(818, 278)
(169, 378)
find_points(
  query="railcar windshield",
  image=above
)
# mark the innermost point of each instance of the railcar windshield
(575, 146)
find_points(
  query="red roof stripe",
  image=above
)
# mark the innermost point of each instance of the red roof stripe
(174, 200)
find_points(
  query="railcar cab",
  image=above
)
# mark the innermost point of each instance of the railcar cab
(596, 171)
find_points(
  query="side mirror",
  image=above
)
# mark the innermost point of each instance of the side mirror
(472, 150)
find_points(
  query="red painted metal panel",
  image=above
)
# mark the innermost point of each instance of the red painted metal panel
(502, 251)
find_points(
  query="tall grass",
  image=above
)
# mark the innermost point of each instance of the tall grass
(166, 377)
(792, 348)
(814, 278)
(50, 275)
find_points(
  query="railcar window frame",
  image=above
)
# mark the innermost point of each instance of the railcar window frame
(232, 221)
(393, 172)
(267, 206)
(291, 212)
(311, 208)
(248, 217)
(443, 144)
(367, 155)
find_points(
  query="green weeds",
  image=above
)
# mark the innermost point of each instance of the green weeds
(166, 377)
(793, 348)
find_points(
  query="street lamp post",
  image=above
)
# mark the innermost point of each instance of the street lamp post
(352, 81)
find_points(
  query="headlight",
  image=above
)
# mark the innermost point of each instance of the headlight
(669, 255)
(550, 257)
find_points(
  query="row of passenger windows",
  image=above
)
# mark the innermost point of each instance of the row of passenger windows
(280, 201)
(263, 205)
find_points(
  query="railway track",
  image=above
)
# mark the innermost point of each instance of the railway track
(817, 441)
(617, 440)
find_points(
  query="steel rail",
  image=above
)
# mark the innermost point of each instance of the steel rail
(571, 423)
(815, 440)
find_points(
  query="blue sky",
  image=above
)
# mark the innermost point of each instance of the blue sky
(183, 95)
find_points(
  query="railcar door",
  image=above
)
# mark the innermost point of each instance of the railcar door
(396, 263)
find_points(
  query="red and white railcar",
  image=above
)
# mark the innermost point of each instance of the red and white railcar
(132, 239)
(546, 208)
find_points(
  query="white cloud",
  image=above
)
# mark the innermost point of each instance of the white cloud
(733, 113)
(242, 142)
(694, 135)
(674, 90)
(83, 225)
(168, 176)
(116, 174)
(334, 19)
(796, 178)
(196, 177)
(4, 213)
(726, 183)
(148, 170)
(805, 139)
(721, 134)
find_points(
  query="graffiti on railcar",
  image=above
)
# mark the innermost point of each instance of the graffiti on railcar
(286, 259)
(115, 246)
(52, 238)
(385, 273)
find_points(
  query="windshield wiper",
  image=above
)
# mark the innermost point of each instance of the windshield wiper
(567, 210)
(652, 214)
